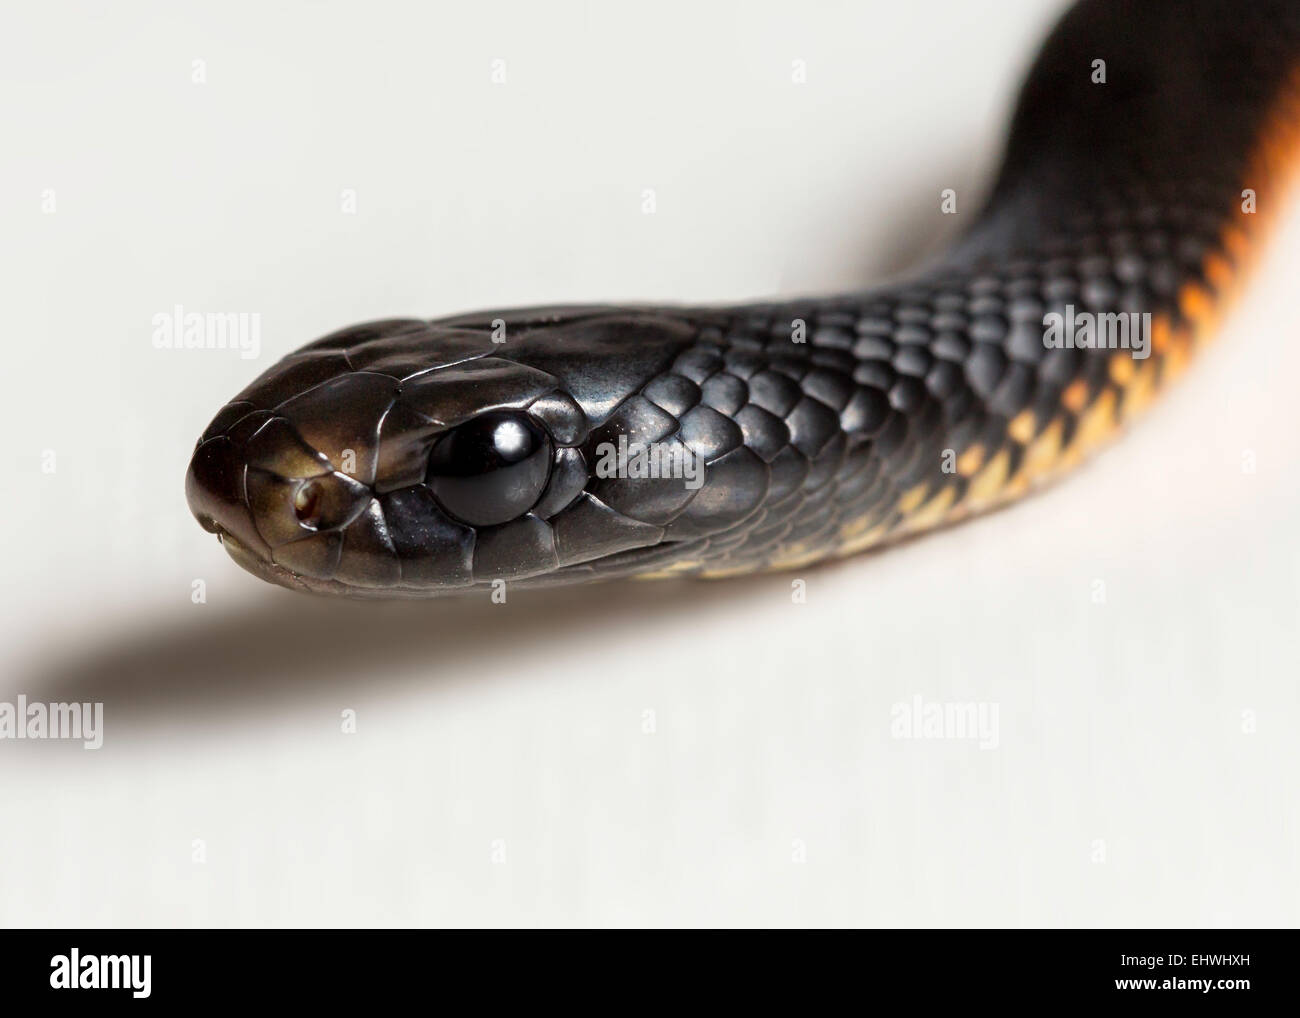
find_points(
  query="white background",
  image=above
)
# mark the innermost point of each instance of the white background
(1126, 787)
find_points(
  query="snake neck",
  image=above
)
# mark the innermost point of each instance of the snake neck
(1136, 186)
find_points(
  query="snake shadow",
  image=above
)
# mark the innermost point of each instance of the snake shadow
(281, 649)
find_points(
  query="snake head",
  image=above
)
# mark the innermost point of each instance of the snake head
(406, 458)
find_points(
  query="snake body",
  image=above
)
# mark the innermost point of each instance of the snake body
(410, 458)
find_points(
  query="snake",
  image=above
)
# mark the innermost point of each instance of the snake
(1147, 154)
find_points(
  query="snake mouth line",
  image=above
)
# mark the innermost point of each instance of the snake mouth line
(272, 572)
(260, 567)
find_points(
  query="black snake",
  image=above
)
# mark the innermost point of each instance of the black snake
(565, 444)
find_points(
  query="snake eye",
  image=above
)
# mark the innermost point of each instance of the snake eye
(491, 469)
(306, 505)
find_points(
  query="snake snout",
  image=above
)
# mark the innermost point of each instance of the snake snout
(277, 504)
(214, 490)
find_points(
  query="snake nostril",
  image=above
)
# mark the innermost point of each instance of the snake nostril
(306, 504)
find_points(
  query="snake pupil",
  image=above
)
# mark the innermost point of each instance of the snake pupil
(491, 469)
